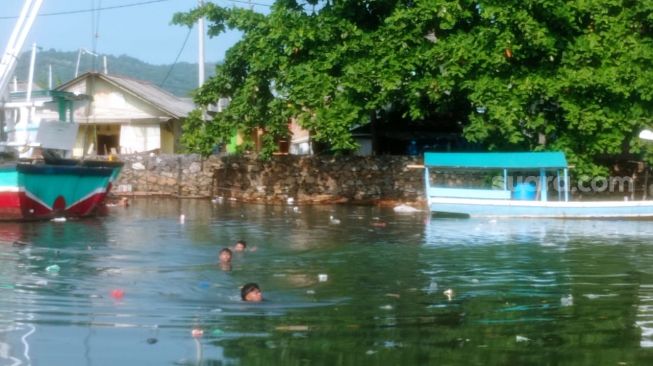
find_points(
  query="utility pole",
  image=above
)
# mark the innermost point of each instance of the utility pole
(200, 43)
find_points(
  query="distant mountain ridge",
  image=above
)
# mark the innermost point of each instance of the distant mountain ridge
(181, 80)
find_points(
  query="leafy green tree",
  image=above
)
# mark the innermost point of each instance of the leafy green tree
(515, 74)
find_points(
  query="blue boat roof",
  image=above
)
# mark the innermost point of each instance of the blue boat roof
(497, 160)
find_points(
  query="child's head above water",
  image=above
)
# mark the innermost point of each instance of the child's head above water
(251, 292)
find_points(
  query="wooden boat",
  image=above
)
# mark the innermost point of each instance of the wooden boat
(508, 200)
(32, 190)
(37, 181)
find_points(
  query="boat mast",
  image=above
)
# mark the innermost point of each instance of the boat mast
(16, 41)
(30, 78)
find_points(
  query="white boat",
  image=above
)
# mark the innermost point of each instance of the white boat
(529, 198)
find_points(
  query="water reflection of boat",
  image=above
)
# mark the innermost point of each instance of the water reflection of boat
(551, 232)
(520, 200)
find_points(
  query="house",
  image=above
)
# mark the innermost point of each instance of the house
(300, 139)
(125, 115)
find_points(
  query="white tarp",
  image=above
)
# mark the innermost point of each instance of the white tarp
(139, 138)
(57, 135)
(31, 130)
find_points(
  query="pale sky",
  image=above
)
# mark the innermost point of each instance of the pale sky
(137, 28)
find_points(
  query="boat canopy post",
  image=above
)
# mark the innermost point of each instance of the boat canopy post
(427, 184)
(505, 179)
(543, 188)
(558, 185)
(566, 174)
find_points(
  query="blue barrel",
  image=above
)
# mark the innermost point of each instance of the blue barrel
(524, 192)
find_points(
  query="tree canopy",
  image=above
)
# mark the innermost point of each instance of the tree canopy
(575, 76)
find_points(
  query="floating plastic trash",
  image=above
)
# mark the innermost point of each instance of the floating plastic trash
(567, 300)
(182, 218)
(197, 333)
(53, 268)
(448, 293)
(118, 293)
(405, 209)
(433, 287)
(322, 277)
(59, 219)
(217, 332)
(521, 339)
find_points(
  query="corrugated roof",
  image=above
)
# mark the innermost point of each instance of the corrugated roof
(153, 94)
(500, 160)
(167, 102)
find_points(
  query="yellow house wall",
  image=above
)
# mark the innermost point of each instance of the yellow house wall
(167, 141)
(112, 107)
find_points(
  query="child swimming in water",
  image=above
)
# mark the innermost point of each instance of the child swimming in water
(251, 292)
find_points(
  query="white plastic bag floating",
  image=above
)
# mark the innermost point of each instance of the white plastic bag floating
(405, 209)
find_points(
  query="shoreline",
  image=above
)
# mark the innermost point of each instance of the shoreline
(318, 200)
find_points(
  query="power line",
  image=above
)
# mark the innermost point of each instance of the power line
(247, 2)
(177, 58)
(93, 9)
(68, 12)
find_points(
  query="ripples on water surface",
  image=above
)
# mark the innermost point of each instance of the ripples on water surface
(524, 291)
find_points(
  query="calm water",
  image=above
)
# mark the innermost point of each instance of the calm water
(524, 292)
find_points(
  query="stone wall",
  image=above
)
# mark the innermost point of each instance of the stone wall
(302, 179)
(309, 179)
(174, 175)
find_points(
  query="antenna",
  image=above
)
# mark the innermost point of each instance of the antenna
(79, 57)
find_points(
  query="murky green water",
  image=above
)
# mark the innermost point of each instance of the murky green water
(524, 292)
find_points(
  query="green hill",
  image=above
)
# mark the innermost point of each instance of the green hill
(180, 80)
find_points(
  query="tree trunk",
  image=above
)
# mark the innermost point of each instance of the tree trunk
(374, 132)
